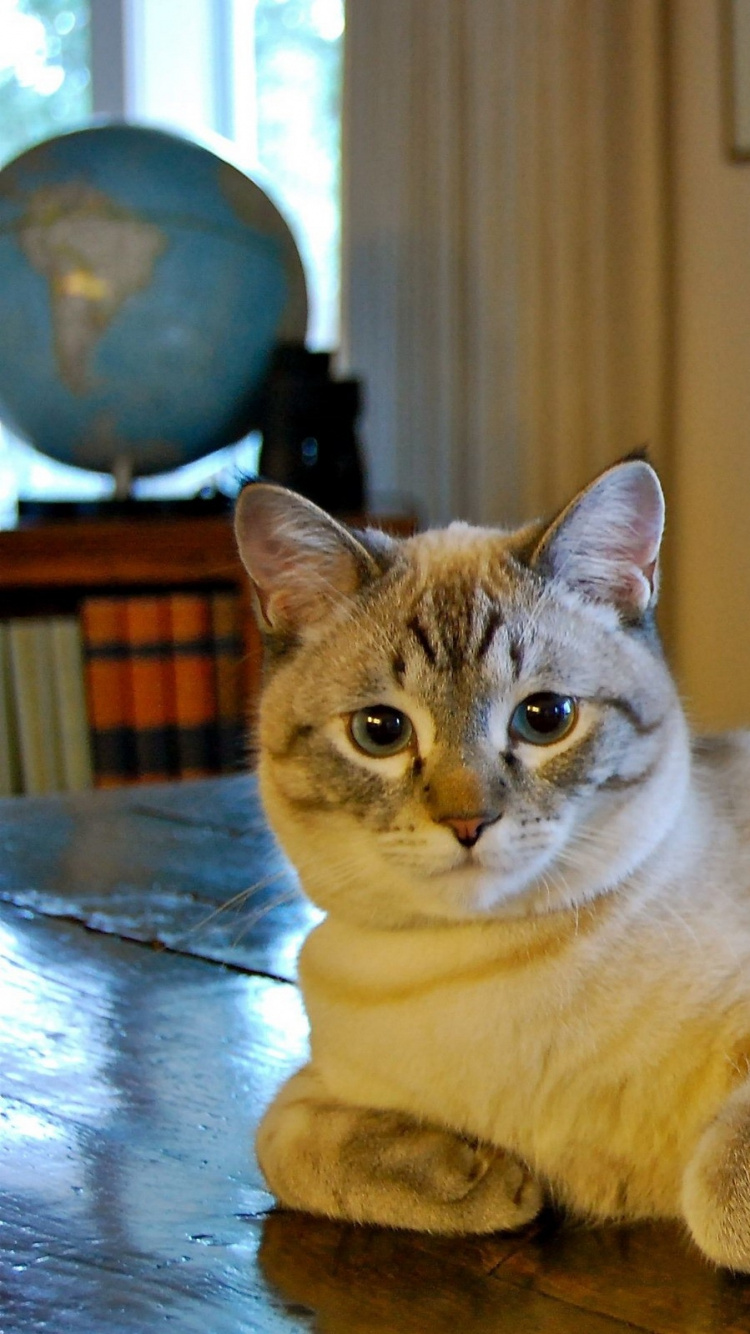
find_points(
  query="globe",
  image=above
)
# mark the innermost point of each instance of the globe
(144, 284)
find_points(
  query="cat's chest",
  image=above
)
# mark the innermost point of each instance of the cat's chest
(456, 1031)
(554, 1050)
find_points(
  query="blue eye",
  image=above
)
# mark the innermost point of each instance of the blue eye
(380, 730)
(544, 718)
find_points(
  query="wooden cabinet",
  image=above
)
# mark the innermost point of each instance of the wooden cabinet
(51, 566)
(119, 552)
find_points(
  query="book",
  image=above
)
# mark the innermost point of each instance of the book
(108, 689)
(165, 684)
(10, 759)
(151, 712)
(32, 671)
(69, 695)
(226, 621)
(196, 706)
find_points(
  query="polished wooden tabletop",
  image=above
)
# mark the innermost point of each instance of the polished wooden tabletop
(147, 1013)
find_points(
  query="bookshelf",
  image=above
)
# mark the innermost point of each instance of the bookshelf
(48, 568)
(53, 565)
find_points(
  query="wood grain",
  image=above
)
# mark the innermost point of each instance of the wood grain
(191, 867)
(134, 1065)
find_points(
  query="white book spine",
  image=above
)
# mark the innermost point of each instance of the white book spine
(10, 760)
(71, 714)
(33, 692)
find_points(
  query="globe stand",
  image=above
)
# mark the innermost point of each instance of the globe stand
(122, 472)
(123, 504)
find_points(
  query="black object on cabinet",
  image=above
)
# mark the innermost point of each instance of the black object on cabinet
(309, 430)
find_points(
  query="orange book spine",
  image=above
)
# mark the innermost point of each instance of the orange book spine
(106, 655)
(194, 674)
(152, 716)
(226, 618)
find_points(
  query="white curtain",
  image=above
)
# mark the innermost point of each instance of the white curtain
(506, 289)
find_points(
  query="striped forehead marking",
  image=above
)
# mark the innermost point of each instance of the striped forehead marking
(493, 623)
(420, 634)
(455, 627)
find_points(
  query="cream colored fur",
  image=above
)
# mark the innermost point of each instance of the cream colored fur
(564, 1008)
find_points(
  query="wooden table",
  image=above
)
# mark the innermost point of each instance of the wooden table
(142, 1031)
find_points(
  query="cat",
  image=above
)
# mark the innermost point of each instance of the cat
(532, 979)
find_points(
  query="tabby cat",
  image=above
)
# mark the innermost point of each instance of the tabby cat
(533, 976)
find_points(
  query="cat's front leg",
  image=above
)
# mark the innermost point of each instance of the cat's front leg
(371, 1166)
(716, 1186)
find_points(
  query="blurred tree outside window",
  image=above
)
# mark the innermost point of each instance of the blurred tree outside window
(298, 62)
(45, 86)
(45, 74)
(290, 127)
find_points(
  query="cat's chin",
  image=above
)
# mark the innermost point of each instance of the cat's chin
(471, 892)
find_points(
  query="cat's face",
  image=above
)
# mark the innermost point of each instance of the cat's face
(451, 730)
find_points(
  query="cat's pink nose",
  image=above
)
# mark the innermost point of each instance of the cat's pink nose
(467, 831)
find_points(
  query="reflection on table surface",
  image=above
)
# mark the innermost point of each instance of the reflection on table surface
(142, 1033)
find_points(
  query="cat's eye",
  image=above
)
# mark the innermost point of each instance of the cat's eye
(544, 718)
(380, 730)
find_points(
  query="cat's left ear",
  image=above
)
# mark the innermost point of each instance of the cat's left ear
(301, 561)
(606, 541)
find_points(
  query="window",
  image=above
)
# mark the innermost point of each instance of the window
(45, 70)
(45, 86)
(298, 119)
(264, 73)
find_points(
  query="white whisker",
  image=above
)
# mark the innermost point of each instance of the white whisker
(234, 902)
(257, 916)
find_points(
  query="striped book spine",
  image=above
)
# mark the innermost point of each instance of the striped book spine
(226, 620)
(196, 705)
(106, 654)
(151, 712)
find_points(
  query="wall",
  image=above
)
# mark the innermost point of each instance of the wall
(709, 532)
(548, 264)
(504, 245)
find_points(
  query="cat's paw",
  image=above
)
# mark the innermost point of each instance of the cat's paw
(377, 1166)
(461, 1185)
(503, 1196)
(716, 1187)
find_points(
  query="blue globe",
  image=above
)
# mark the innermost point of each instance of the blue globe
(144, 282)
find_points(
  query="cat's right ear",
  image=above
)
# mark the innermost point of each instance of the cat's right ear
(605, 543)
(301, 562)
